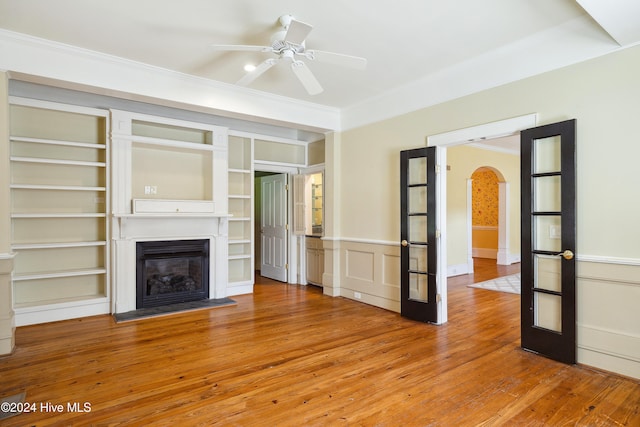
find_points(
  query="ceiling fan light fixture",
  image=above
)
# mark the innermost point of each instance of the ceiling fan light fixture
(287, 43)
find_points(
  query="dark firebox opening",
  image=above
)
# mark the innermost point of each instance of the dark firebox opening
(172, 271)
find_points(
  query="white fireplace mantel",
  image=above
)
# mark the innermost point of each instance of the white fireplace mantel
(195, 158)
(134, 228)
(168, 226)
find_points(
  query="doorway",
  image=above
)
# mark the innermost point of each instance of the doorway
(271, 225)
(548, 229)
(485, 212)
(487, 219)
(444, 142)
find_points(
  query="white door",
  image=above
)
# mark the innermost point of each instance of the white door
(273, 227)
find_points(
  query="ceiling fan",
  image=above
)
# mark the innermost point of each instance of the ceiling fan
(288, 43)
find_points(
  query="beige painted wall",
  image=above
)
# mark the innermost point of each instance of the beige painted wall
(602, 94)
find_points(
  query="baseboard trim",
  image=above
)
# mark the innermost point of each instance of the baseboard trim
(458, 270)
(54, 313)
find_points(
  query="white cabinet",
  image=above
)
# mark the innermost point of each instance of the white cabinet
(59, 204)
(315, 260)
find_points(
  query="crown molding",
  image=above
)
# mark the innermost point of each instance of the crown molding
(39, 60)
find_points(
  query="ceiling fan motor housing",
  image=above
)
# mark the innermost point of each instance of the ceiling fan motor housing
(278, 43)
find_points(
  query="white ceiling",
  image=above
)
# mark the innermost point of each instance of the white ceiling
(403, 41)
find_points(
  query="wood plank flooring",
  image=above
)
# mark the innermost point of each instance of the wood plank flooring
(291, 356)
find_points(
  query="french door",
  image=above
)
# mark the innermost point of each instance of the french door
(548, 301)
(273, 227)
(418, 254)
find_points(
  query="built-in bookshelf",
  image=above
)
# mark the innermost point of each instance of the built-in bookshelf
(59, 204)
(241, 239)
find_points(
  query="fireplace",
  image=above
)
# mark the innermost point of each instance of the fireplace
(171, 271)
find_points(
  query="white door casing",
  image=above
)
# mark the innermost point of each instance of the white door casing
(450, 139)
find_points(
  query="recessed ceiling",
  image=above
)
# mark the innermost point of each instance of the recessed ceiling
(402, 41)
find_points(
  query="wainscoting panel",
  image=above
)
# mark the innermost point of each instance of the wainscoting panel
(391, 270)
(608, 293)
(359, 265)
(371, 273)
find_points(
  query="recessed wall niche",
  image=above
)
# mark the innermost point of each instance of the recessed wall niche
(171, 162)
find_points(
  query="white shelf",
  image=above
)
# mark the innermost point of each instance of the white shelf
(57, 162)
(246, 256)
(245, 171)
(237, 219)
(56, 187)
(62, 303)
(27, 246)
(172, 215)
(58, 215)
(171, 143)
(58, 142)
(239, 241)
(239, 196)
(58, 274)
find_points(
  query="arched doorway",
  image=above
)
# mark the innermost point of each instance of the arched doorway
(485, 212)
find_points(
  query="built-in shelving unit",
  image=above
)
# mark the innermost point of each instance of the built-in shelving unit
(241, 234)
(59, 204)
(317, 204)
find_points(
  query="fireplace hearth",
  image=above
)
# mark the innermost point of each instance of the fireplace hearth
(171, 271)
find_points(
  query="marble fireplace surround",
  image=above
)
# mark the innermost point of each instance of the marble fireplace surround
(132, 228)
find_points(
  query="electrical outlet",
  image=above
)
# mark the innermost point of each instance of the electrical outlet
(357, 295)
(150, 189)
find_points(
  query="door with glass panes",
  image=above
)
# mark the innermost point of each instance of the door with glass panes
(418, 255)
(548, 301)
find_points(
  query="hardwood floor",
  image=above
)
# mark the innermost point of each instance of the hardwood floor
(291, 356)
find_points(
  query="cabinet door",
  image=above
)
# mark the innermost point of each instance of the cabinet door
(312, 264)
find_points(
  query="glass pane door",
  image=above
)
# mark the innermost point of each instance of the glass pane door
(418, 281)
(548, 240)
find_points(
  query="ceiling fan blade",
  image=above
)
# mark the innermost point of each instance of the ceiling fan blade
(337, 58)
(260, 69)
(306, 77)
(241, 48)
(297, 32)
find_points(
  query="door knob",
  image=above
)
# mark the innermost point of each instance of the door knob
(567, 254)
(404, 243)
